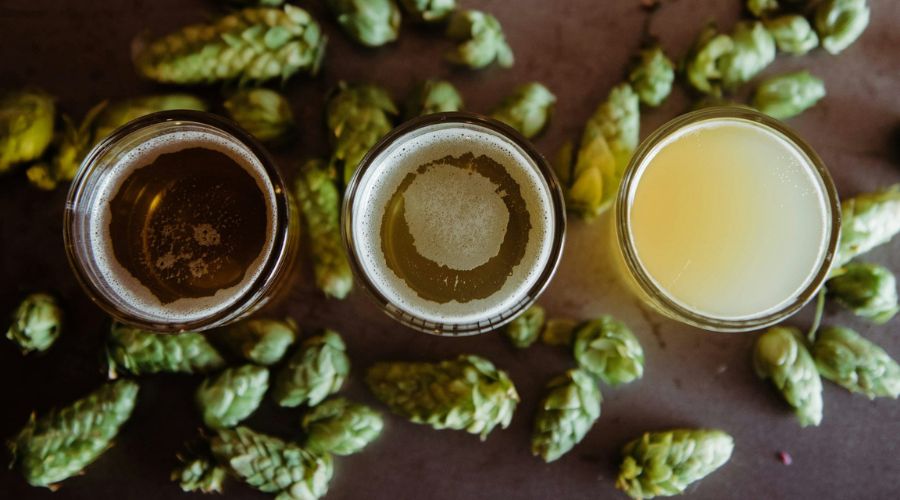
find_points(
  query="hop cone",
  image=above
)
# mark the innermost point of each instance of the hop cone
(264, 113)
(341, 427)
(63, 442)
(429, 11)
(652, 76)
(781, 356)
(372, 23)
(703, 66)
(482, 40)
(762, 8)
(856, 364)
(260, 341)
(566, 414)
(69, 148)
(465, 393)
(869, 220)
(432, 96)
(606, 348)
(26, 126)
(199, 474)
(36, 323)
(527, 109)
(558, 331)
(525, 329)
(753, 49)
(253, 44)
(357, 116)
(869, 290)
(320, 204)
(232, 395)
(272, 465)
(793, 34)
(665, 463)
(317, 370)
(121, 112)
(786, 96)
(841, 22)
(139, 352)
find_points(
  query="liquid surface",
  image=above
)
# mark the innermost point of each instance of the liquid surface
(729, 219)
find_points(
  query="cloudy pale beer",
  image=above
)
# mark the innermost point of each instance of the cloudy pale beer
(454, 223)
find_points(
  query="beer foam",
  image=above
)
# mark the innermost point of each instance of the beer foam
(130, 290)
(460, 228)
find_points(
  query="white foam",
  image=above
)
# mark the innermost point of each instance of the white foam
(428, 144)
(119, 279)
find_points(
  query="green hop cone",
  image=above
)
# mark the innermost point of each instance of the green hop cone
(341, 427)
(566, 414)
(317, 370)
(199, 475)
(652, 76)
(320, 204)
(527, 109)
(121, 112)
(357, 116)
(558, 331)
(482, 40)
(36, 323)
(26, 126)
(272, 465)
(261, 341)
(468, 393)
(63, 442)
(753, 49)
(781, 356)
(232, 395)
(525, 329)
(432, 96)
(840, 22)
(140, 352)
(429, 11)
(264, 113)
(372, 23)
(69, 148)
(786, 96)
(868, 220)
(250, 45)
(666, 463)
(762, 8)
(869, 290)
(606, 348)
(856, 364)
(793, 34)
(703, 65)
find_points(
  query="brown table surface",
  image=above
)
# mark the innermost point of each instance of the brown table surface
(79, 51)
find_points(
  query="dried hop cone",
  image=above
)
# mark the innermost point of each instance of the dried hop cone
(525, 329)
(869, 290)
(317, 370)
(265, 113)
(341, 427)
(786, 96)
(263, 341)
(781, 355)
(199, 474)
(527, 109)
(856, 364)
(36, 323)
(432, 96)
(232, 395)
(606, 348)
(26, 126)
(140, 352)
(482, 40)
(429, 11)
(868, 220)
(841, 22)
(372, 23)
(652, 76)
(566, 414)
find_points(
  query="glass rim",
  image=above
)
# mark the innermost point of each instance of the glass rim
(558, 213)
(271, 264)
(659, 296)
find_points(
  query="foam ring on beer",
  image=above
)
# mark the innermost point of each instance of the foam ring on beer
(454, 223)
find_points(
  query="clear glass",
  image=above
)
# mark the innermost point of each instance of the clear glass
(653, 295)
(99, 168)
(513, 303)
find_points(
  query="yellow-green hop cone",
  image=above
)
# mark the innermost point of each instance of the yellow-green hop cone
(64, 441)
(566, 414)
(432, 96)
(856, 364)
(652, 76)
(762, 8)
(357, 117)
(262, 341)
(229, 397)
(527, 109)
(26, 126)
(666, 463)
(467, 393)
(840, 22)
(317, 370)
(139, 352)
(868, 220)
(786, 96)
(372, 23)
(429, 11)
(869, 290)
(199, 475)
(558, 331)
(781, 355)
(272, 465)
(793, 34)
(341, 427)
(525, 329)
(753, 49)
(703, 65)
(119, 113)
(36, 323)
(320, 204)
(264, 113)
(69, 149)
(607, 349)
(482, 40)
(250, 45)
